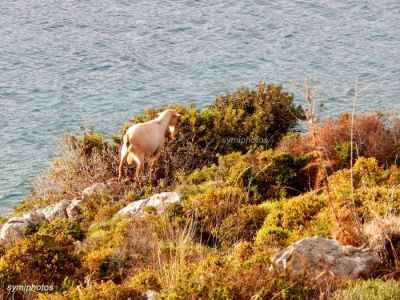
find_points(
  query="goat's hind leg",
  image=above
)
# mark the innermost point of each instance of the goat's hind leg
(123, 157)
(139, 159)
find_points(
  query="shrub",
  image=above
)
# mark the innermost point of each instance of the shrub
(81, 159)
(292, 219)
(300, 210)
(384, 239)
(39, 259)
(85, 157)
(62, 228)
(374, 137)
(265, 174)
(272, 235)
(143, 281)
(372, 289)
(100, 208)
(241, 225)
(175, 214)
(116, 248)
(321, 224)
(373, 197)
(212, 207)
(94, 291)
(262, 173)
(2, 250)
(296, 212)
(266, 113)
(236, 277)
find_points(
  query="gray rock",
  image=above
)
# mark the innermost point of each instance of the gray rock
(94, 189)
(158, 201)
(150, 295)
(55, 211)
(13, 230)
(317, 255)
(34, 217)
(74, 209)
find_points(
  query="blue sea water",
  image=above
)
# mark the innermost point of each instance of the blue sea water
(71, 63)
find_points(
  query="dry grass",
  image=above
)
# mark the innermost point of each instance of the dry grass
(175, 251)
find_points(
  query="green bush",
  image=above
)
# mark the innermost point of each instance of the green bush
(272, 235)
(144, 280)
(375, 190)
(115, 247)
(292, 219)
(39, 259)
(372, 289)
(262, 173)
(62, 227)
(105, 249)
(300, 210)
(264, 114)
(100, 208)
(212, 207)
(241, 225)
(87, 141)
(96, 291)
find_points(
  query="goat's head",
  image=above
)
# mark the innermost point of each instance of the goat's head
(173, 120)
(172, 123)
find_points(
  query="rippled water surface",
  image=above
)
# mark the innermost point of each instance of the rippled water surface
(64, 64)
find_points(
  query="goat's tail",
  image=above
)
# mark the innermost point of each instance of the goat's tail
(124, 150)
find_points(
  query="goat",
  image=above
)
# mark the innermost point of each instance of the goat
(146, 139)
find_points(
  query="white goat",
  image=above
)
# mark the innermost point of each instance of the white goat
(146, 139)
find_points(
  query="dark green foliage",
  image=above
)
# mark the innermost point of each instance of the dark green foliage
(2, 249)
(87, 141)
(62, 227)
(243, 120)
(212, 207)
(145, 280)
(39, 259)
(264, 114)
(241, 225)
(372, 289)
(278, 173)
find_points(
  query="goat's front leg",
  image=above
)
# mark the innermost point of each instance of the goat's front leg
(123, 157)
(153, 162)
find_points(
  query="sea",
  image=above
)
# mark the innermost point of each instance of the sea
(65, 64)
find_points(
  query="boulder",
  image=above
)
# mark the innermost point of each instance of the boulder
(55, 211)
(94, 189)
(317, 255)
(74, 209)
(14, 229)
(158, 201)
(34, 217)
(150, 295)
